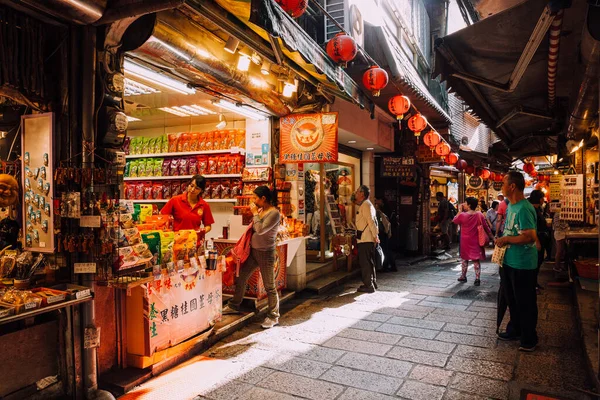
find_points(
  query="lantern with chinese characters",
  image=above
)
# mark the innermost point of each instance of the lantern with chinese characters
(483, 173)
(529, 168)
(442, 149)
(399, 105)
(342, 48)
(432, 139)
(470, 169)
(375, 79)
(417, 123)
(461, 165)
(451, 159)
(293, 7)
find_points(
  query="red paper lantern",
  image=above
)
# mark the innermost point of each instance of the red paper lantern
(417, 123)
(492, 177)
(533, 173)
(529, 168)
(342, 48)
(470, 169)
(499, 178)
(461, 165)
(399, 105)
(451, 159)
(293, 7)
(375, 79)
(442, 149)
(483, 173)
(432, 139)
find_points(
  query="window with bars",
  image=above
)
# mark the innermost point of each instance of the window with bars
(337, 10)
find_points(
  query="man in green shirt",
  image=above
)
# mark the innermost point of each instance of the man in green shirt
(518, 272)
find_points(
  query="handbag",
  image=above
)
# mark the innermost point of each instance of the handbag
(498, 255)
(482, 236)
(379, 257)
(241, 251)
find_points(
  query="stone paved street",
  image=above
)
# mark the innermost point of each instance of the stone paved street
(422, 335)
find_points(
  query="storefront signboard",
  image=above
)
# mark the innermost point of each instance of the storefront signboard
(475, 182)
(426, 156)
(498, 186)
(555, 184)
(258, 139)
(309, 138)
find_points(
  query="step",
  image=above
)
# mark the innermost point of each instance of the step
(317, 270)
(329, 281)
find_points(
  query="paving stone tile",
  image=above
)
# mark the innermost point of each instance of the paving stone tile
(480, 385)
(448, 318)
(357, 346)
(488, 315)
(407, 331)
(488, 304)
(412, 307)
(478, 341)
(432, 375)
(455, 307)
(418, 356)
(447, 300)
(484, 323)
(294, 384)
(355, 314)
(265, 394)
(255, 375)
(379, 365)
(427, 345)
(417, 323)
(323, 354)
(456, 395)
(471, 330)
(363, 380)
(415, 296)
(299, 366)
(358, 394)
(499, 354)
(482, 309)
(455, 313)
(230, 390)
(366, 325)
(404, 313)
(369, 336)
(421, 391)
(488, 369)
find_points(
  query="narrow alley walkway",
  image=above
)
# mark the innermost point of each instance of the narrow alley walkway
(422, 335)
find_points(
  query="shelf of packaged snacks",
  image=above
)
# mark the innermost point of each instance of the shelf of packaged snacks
(181, 154)
(179, 177)
(43, 310)
(207, 200)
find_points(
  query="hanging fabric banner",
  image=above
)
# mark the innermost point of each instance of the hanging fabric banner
(309, 138)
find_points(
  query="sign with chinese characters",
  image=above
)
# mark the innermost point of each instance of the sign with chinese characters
(475, 182)
(571, 198)
(181, 305)
(399, 167)
(426, 156)
(498, 186)
(309, 138)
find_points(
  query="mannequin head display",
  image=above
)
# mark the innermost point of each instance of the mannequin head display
(9, 190)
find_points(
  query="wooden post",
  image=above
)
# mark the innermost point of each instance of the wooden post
(322, 209)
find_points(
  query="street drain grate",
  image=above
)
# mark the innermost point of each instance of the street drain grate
(473, 294)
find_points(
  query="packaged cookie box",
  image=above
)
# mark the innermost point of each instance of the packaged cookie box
(50, 296)
(75, 292)
(6, 310)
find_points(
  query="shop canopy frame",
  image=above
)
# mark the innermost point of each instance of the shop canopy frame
(482, 64)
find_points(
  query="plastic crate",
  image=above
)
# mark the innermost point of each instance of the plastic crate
(587, 268)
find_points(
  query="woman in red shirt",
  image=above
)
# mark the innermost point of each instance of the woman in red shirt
(189, 210)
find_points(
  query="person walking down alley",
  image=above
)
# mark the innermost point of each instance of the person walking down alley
(518, 271)
(444, 218)
(544, 242)
(367, 235)
(492, 216)
(470, 220)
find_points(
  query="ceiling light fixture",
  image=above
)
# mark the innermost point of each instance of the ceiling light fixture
(222, 123)
(232, 45)
(134, 88)
(256, 59)
(265, 68)
(240, 109)
(351, 141)
(258, 82)
(370, 148)
(157, 78)
(174, 112)
(132, 119)
(243, 63)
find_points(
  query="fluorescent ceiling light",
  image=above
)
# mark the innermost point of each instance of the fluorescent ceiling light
(157, 78)
(351, 141)
(174, 112)
(193, 110)
(243, 63)
(240, 110)
(134, 88)
(132, 119)
(369, 148)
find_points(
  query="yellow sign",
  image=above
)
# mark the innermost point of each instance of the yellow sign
(309, 138)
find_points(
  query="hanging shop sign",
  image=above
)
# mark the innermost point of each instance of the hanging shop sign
(498, 186)
(571, 198)
(309, 138)
(426, 156)
(555, 184)
(475, 182)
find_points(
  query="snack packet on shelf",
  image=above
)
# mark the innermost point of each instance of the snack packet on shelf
(166, 167)
(146, 210)
(166, 246)
(172, 140)
(157, 170)
(194, 141)
(152, 240)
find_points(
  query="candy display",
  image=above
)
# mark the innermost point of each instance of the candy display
(164, 190)
(183, 166)
(187, 142)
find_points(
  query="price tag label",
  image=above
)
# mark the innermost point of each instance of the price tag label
(42, 244)
(29, 306)
(91, 337)
(83, 293)
(89, 221)
(85, 268)
(55, 299)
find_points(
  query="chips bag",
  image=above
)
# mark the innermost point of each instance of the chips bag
(145, 211)
(152, 240)
(172, 139)
(166, 246)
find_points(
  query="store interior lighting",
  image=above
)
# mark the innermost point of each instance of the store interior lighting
(243, 63)
(222, 123)
(232, 45)
(187, 111)
(132, 119)
(137, 70)
(351, 141)
(135, 88)
(240, 109)
(290, 86)
(370, 148)
(265, 68)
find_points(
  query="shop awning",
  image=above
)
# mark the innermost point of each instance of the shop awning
(274, 26)
(489, 50)
(385, 49)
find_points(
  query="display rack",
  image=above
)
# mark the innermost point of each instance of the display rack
(43, 310)
(184, 153)
(158, 201)
(179, 177)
